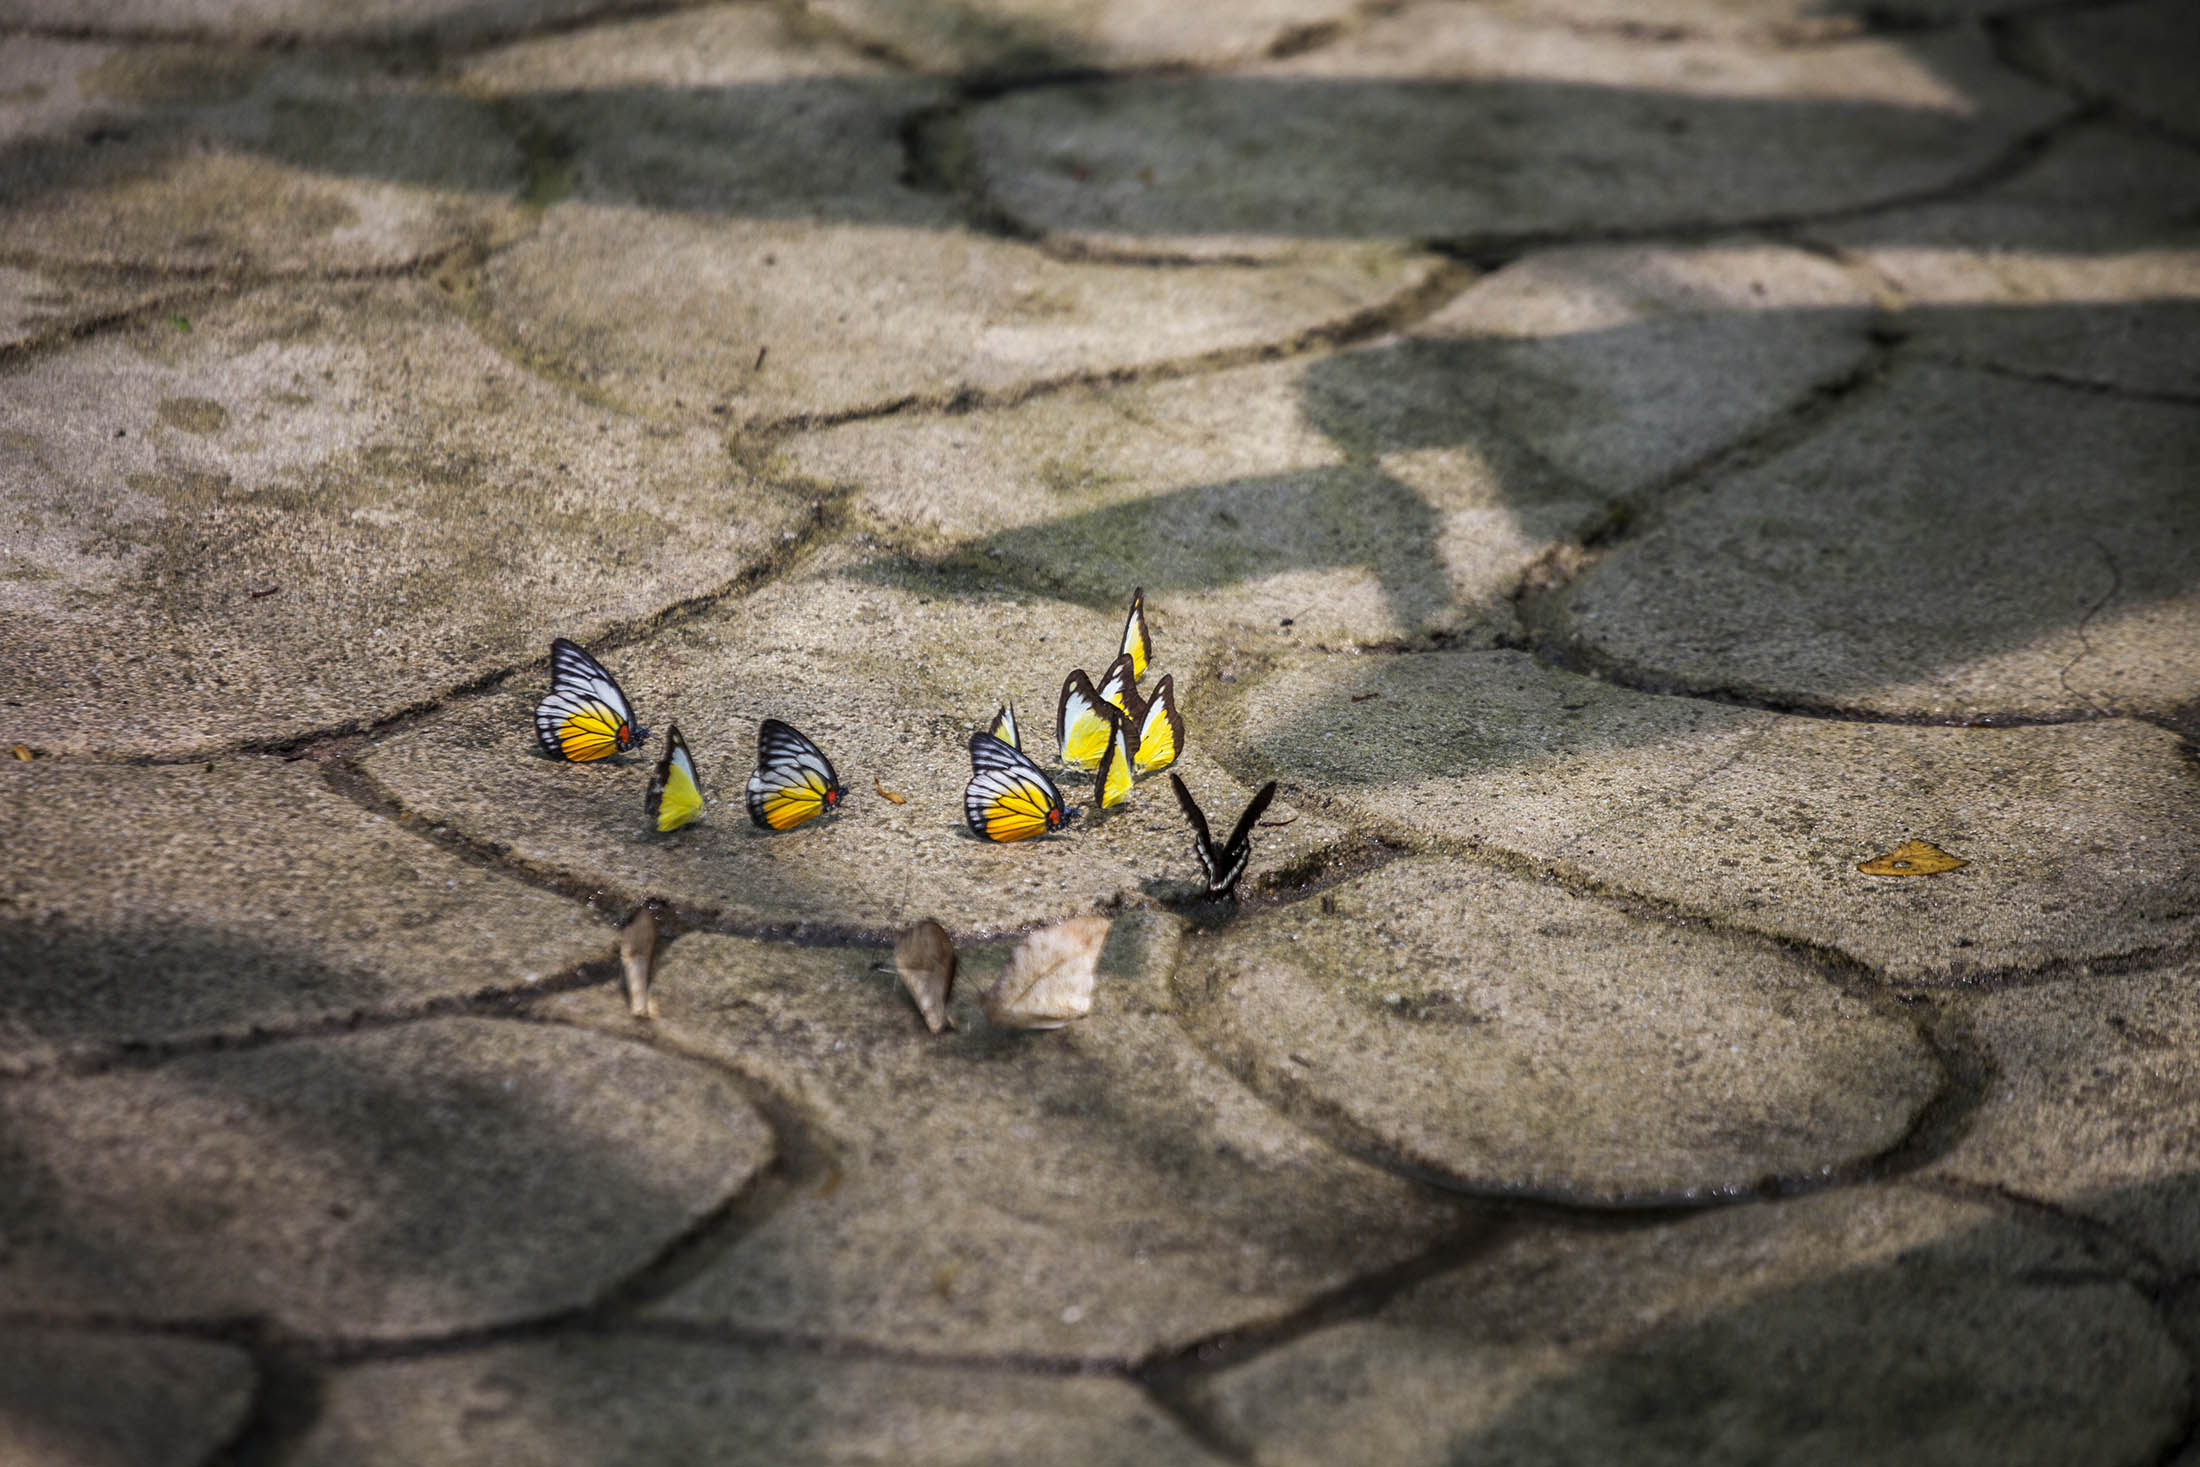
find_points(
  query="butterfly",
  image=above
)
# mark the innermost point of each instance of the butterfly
(1160, 732)
(1009, 797)
(1225, 866)
(1137, 642)
(1003, 726)
(585, 716)
(675, 791)
(793, 782)
(1081, 723)
(1112, 785)
(1119, 689)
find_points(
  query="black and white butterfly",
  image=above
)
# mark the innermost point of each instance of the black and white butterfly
(1225, 865)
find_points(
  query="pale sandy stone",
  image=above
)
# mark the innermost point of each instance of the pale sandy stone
(1513, 1038)
(245, 897)
(1879, 1325)
(1099, 1192)
(214, 161)
(1020, 36)
(2083, 840)
(78, 1398)
(627, 1397)
(317, 508)
(421, 1180)
(1958, 545)
(888, 667)
(1517, 130)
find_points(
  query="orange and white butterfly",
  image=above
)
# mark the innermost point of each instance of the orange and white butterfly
(1009, 797)
(1159, 737)
(586, 715)
(794, 782)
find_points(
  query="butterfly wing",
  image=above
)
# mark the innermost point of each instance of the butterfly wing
(1008, 797)
(793, 782)
(1119, 687)
(675, 791)
(1112, 785)
(1239, 851)
(1203, 842)
(1161, 733)
(1004, 726)
(586, 715)
(1081, 723)
(1137, 643)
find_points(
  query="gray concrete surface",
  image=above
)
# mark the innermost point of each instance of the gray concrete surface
(1619, 467)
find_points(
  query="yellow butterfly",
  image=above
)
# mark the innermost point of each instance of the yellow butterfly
(1119, 687)
(1161, 731)
(586, 715)
(1081, 723)
(793, 782)
(675, 791)
(1137, 643)
(1008, 797)
(1112, 785)
(1004, 726)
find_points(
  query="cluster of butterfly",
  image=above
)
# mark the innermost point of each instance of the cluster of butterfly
(1110, 729)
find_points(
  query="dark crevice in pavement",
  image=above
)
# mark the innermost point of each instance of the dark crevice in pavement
(2091, 385)
(170, 299)
(2017, 46)
(2137, 1264)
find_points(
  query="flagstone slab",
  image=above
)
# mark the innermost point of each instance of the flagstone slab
(266, 22)
(305, 510)
(2083, 266)
(1519, 129)
(247, 897)
(888, 667)
(1040, 36)
(1957, 546)
(1101, 1192)
(2137, 56)
(71, 1398)
(433, 1177)
(198, 160)
(2083, 840)
(627, 1397)
(1511, 1037)
(1875, 1325)
(2090, 1097)
(1379, 493)
(747, 239)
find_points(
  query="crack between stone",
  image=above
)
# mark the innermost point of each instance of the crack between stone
(2142, 1267)
(2063, 380)
(2085, 644)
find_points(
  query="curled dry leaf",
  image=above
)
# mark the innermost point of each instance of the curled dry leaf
(1049, 977)
(22, 751)
(638, 956)
(891, 796)
(924, 956)
(1912, 858)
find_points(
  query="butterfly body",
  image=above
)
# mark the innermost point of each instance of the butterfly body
(1009, 798)
(793, 783)
(675, 790)
(1224, 865)
(586, 715)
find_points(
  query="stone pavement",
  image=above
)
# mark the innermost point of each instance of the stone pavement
(1620, 465)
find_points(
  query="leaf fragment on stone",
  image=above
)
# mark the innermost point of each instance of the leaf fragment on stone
(924, 956)
(22, 751)
(638, 956)
(1912, 858)
(890, 796)
(1049, 977)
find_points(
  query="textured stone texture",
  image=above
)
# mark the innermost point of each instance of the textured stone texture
(80, 1399)
(246, 897)
(1102, 1191)
(888, 667)
(1514, 1038)
(440, 1176)
(2139, 56)
(1956, 546)
(632, 1398)
(38, 306)
(202, 160)
(743, 235)
(1871, 1326)
(2090, 1100)
(2084, 840)
(1378, 493)
(316, 508)
(2085, 266)
(275, 21)
(1040, 36)
(1518, 129)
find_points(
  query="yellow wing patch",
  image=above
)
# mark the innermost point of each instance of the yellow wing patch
(1161, 734)
(1081, 724)
(1119, 689)
(794, 782)
(590, 731)
(1112, 785)
(675, 793)
(1137, 642)
(1009, 797)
